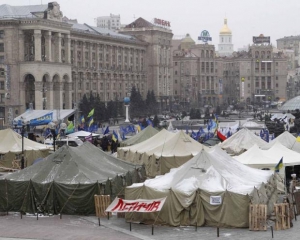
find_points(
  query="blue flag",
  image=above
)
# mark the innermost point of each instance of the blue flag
(106, 130)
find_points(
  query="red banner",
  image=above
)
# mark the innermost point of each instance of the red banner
(138, 205)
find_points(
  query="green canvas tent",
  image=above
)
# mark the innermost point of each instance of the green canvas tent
(147, 133)
(66, 181)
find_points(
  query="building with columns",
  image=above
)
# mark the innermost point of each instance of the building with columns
(49, 62)
(197, 75)
(225, 46)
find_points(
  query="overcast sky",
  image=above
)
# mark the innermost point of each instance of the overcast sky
(246, 18)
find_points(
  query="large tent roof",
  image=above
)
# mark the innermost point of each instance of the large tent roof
(258, 158)
(287, 140)
(144, 135)
(212, 170)
(241, 140)
(167, 144)
(10, 141)
(153, 142)
(72, 165)
(82, 134)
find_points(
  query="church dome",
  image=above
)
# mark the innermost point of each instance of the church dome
(187, 39)
(225, 29)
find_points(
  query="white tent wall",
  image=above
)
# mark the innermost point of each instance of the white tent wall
(188, 190)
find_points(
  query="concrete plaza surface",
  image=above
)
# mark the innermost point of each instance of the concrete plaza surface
(76, 227)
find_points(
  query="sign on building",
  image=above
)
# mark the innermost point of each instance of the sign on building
(161, 22)
(204, 36)
(261, 39)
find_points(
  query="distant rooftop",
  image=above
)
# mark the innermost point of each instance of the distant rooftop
(290, 38)
(7, 11)
(100, 31)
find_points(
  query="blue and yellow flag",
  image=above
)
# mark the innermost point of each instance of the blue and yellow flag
(82, 120)
(91, 113)
(279, 165)
(114, 136)
(91, 121)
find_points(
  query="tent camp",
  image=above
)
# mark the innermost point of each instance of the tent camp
(192, 188)
(258, 158)
(11, 149)
(241, 141)
(163, 151)
(287, 140)
(66, 181)
(147, 133)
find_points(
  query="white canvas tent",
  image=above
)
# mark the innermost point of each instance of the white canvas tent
(163, 151)
(11, 148)
(82, 134)
(241, 141)
(258, 158)
(189, 189)
(287, 140)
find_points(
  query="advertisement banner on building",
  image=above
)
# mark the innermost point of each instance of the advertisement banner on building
(205, 36)
(261, 39)
(138, 205)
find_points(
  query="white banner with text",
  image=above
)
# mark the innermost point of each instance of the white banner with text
(138, 205)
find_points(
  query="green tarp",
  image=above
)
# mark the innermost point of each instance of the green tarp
(66, 181)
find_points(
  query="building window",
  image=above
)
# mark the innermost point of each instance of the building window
(1, 34)
(276, 85)
(175, 63)
(2, 97)
(175, 80)
(175, 72)
(1, 59)
(1, 85)
(276, 77)
(1, 47)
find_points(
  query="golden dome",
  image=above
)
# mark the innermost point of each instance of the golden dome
(225, 30)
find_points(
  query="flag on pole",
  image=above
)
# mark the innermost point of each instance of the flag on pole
(114, 136)
(279, 165)
(91, 113)
(106, 131)
(91, 121)
(82, 120)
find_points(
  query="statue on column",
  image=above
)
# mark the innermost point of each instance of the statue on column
(126, 102)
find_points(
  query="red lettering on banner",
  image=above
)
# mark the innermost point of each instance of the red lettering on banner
(119, 205)
(155, 205)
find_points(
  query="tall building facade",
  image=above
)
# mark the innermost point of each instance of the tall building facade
(50, 64)
(197, 75)
(159, 58)
(112, 22)
(291, 43)
(225, 46)
(255, 76)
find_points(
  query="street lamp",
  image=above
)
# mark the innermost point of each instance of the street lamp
(52, 127)
(23, 131)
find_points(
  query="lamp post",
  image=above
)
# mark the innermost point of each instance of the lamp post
(22, 157)
(52, 127)
(23, 131)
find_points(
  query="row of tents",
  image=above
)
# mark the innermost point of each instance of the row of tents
(181, 169)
